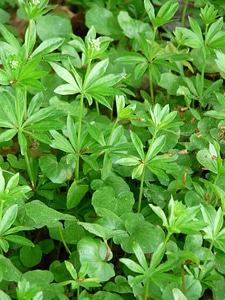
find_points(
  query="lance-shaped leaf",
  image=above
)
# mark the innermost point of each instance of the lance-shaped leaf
(8, 218)
(73, 83)
(138, 145)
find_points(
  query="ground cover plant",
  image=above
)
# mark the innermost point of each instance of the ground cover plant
(112, 144)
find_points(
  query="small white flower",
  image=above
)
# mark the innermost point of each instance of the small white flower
(35, 2)
(95, 43)
(14, 64)
(123, 75)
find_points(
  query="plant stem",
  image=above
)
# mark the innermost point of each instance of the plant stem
(149, 68)
(20, 129)
(80, 121)
(146, 289)
(141, 190)
(151, 84)
(78, 292)
(183, 281)
(184, 13)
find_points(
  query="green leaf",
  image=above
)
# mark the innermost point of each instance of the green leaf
(150, 10)
(133, 266)
(140, 256)
(131, 27)
(156, 147)
(98, 230)
(46, 216)
(178, 295)
(10, 272)
(106, 25)
(160, 213)
(67, 89)
(71, 269)
(9, 37)
(70, 232)
(60, 142)
(215, 36)
(59, 26)
(165, 13)
(138, 145)
(8, 218)
(107, 198)
(72, 132)
(131, 58)
(171, 82)
(20, 240)
(57, 172)
(42, 114)
(95, 253)
(30, 256)
(193, 38)
(96, 73)
(48, 46)
(4, 296)
(220, 61)
(65, 75)
(96, 134)
(30, 37)
(4, 78)
(141, 232)
(8, 106)
(75, 194)
(208, 159)
(2, 182)
(218, 222)
(22, 141)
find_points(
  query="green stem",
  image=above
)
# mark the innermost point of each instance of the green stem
(184, 13)
(78, 292)
(202, 79)
(183, 281)
(146, 289)
(204, 57)
(141, 190)
(80, 121)
(151, 90)
(149, 68)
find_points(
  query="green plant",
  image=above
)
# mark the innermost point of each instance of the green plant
(112, 152)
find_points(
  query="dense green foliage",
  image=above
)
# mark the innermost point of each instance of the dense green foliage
(112, 145)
